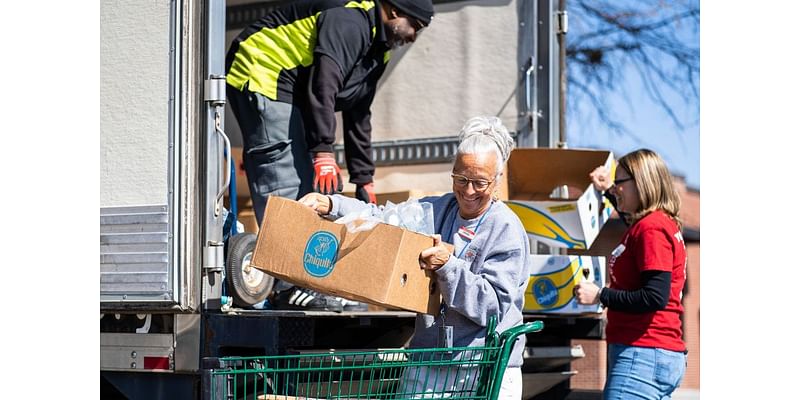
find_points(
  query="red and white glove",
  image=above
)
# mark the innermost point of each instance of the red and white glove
(327, 178)
(366, 193)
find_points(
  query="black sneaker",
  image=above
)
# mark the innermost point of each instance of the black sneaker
(298, 298)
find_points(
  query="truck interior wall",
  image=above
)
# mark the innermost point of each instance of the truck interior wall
(464, 64)
(134, 93)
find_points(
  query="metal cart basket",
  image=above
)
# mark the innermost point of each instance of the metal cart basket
(451, 373)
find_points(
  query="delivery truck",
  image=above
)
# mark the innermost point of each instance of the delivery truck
(176, 289)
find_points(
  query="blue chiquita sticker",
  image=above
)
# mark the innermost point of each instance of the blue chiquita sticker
(320, 254)
(545, 292)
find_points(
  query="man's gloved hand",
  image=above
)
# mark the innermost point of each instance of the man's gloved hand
(327, 178)
(366, 193)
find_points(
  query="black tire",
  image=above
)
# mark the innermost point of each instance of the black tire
(247, 285)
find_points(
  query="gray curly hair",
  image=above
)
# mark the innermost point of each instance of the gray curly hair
(484, 134)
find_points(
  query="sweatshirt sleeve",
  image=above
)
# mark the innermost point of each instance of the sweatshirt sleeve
(489, 292)
(343, 205)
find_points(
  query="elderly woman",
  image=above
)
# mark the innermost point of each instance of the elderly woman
(487, 273)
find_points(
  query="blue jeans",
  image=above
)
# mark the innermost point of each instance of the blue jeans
(643, 372)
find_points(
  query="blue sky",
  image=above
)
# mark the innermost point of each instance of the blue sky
(648, 125)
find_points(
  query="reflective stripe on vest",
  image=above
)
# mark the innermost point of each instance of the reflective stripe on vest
(262, 56)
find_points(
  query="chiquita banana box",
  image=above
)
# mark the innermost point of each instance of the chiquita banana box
(553, 278)
(552, 194)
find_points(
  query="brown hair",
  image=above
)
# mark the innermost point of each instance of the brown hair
(654, 184)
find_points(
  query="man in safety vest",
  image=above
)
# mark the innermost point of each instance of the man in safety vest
(291, 71)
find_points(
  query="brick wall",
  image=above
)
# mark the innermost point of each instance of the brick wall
(691, 318)
(592, 368)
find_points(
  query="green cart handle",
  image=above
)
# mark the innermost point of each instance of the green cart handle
(493, 338)
(507, 340)
(512, 333)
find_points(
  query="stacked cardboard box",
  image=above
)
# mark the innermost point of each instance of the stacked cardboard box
(536, 180)
(554, 277)
(551, 192)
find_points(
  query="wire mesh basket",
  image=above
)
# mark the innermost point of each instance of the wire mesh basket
(451, 373)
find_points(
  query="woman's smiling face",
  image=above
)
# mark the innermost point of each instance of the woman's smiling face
(471, 202)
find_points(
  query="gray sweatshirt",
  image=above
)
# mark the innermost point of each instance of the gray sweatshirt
(489, 278)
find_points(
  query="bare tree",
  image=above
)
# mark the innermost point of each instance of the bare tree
(657, 39)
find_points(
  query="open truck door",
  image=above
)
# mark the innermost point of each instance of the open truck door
(164, 168)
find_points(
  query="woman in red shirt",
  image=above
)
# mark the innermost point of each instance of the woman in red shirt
(646, 352)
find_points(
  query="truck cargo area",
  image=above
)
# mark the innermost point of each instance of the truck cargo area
(165, 310)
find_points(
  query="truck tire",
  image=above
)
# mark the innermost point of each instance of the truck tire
(247, 285)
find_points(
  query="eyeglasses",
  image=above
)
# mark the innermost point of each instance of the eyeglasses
(618, 182)
(478, 184)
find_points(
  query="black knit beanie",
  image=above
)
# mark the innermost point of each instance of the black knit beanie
(421, 10)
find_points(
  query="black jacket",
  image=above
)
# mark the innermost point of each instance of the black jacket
(323, 56)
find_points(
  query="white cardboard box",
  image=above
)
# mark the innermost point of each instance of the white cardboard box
(553, 278)
(573, 221)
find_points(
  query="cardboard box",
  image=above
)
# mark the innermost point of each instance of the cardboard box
(553, 278)
(379, 266)
(396, 198)
(571, 220)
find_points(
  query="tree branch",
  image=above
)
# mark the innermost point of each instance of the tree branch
(608, 37)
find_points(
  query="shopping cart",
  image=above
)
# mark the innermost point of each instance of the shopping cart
(451, 373)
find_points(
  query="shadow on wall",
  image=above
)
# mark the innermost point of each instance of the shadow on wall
(440, 7)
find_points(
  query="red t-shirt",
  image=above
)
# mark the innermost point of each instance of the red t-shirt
(654, 243)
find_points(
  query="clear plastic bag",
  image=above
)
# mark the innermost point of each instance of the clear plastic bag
(359, 221)
(410, 214)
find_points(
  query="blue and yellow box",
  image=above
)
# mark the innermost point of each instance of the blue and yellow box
(553, 278)
(551, 192)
